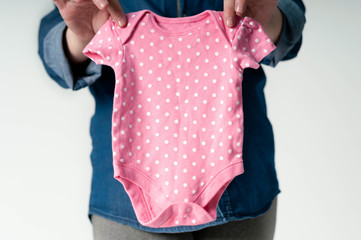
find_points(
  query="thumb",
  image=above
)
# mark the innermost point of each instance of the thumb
(229, 13)
(117, 13)
(115, 10)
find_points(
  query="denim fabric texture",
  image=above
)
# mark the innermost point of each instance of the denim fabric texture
(249, 194)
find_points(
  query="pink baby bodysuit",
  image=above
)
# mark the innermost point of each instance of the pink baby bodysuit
(177, 123)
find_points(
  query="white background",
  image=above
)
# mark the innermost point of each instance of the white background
(314, 104)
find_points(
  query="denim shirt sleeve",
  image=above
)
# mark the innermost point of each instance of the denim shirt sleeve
(52, 54)
(290, 39)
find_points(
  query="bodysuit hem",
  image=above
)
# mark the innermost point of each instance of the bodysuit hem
(179, 229)
(152, 188)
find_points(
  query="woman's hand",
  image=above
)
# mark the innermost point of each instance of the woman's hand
(264, 11)
(83, 19)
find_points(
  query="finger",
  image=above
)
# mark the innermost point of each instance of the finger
(229, 14)
(117, 13)
(101, 4)
(240, 7)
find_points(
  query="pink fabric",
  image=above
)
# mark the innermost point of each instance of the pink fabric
(177, 114)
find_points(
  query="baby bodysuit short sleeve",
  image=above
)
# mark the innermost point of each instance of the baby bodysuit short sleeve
(177, 122)
(106, 46)
(250, 44)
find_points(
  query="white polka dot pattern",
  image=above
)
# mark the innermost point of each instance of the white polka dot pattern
(177, 124)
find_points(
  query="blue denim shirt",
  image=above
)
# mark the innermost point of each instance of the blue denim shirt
(249, 194)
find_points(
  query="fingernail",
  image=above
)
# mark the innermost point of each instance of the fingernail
(230, 21)
(238, 7)
(101, 4)
(120, 21)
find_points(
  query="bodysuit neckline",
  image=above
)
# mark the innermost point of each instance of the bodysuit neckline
(198, 21)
